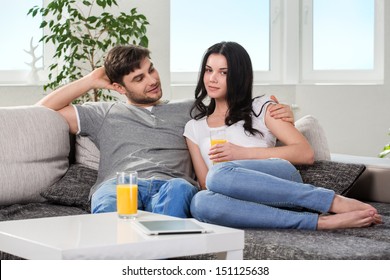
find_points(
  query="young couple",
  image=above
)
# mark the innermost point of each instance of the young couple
(249, 188)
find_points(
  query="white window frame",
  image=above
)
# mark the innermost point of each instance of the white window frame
(275, 60)
(311, 76)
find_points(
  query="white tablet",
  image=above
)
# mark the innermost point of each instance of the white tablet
(159, 227)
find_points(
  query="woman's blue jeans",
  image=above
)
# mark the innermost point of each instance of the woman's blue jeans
(260, 194)
(169, 197)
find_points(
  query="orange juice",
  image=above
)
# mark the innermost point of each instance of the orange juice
(217, 141)
(127, 200)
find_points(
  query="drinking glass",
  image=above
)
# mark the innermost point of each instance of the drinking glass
(217, 136)
(127, 194)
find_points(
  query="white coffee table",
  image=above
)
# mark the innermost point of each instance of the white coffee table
(105, 236)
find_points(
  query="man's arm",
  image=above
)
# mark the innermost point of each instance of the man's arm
(60, 99)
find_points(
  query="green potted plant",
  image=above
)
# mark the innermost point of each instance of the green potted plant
(82, 32)
(386, 151)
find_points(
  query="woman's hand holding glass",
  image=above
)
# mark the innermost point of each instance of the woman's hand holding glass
(226, 152)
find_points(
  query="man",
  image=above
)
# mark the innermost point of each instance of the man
(144, 134)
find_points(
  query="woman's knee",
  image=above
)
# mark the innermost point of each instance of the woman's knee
(199, 207)
(285, 169)
(217, 173)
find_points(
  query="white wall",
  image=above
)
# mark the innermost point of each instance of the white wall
(356, 118)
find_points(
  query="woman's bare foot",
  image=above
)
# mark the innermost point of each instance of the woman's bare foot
(353, 219)
(377, 219)
(342, 204)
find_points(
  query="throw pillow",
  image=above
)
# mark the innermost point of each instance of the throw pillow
(86, 152)
(73, 189)
(34, 150)
(315, 135)
(337, 176)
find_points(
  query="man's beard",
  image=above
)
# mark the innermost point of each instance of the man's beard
(143, 100)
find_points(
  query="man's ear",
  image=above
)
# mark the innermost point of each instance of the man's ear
(119, 88)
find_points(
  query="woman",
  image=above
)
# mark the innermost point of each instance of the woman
(254, 184)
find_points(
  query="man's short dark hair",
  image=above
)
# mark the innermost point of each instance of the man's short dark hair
(121, 60)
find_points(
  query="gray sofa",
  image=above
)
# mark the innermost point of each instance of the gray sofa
(46, 172)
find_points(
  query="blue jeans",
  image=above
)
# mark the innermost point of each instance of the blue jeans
(169, 197)
(260, 194)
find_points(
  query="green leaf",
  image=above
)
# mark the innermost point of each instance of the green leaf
(101, 3)
(385, 152)
(43, 24)
(91, 19)
(144, 42)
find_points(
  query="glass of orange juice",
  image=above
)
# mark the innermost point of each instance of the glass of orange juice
(127, 194)
(217, 136)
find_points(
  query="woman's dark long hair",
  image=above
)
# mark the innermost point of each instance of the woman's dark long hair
(239, 82)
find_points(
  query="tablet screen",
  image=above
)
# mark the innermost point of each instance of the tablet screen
(171, 226)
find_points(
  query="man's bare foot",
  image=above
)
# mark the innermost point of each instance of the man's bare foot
(353, 219)
(342, 204)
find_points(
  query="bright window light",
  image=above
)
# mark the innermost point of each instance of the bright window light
(17, 29)
(196, 25)
(343, 34)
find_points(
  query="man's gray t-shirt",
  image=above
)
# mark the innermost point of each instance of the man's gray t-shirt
(150, 142)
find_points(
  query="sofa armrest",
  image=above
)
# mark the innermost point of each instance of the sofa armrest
(34, 150)
(374, 183)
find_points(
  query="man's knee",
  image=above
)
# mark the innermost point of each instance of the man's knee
(179, 187)
(104, 199)
(174, 198)
(103, 207)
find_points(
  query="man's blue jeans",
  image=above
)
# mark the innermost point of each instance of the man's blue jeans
(169, 197)
(260, 194)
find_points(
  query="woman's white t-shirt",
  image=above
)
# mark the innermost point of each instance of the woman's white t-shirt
(198, 131)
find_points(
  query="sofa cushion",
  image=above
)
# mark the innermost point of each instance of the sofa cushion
(37, 210)
(34, 150)
(86, 152)
(73, 189)
(315, 135)
(337, 176)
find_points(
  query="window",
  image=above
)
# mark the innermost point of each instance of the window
(17, 31)
(290, 42)
(342, 41)
(196, 25)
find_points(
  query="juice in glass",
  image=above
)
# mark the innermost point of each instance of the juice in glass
(127, 195)
(217, 136)
(217, 141)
